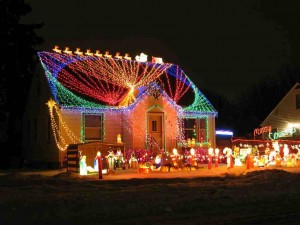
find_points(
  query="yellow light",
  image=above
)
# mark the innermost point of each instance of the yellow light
(88, 52)
(56, 49)
(127, 56)
(118, 55)
(51, 103)
(107, 55)
(59, 139)
(67, 51)
(130, 97)
(98, 53)
(119, 140)
(78, 52)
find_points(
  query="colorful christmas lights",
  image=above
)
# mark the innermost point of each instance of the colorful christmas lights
(96, 83)
(105, 81)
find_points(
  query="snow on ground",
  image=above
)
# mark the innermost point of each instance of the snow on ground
(216, 196)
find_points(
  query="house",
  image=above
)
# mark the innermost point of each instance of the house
(86, 98)
(280, 129)
(283, 122)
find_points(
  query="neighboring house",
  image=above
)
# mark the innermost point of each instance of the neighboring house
(284, 119)
(279, 131)
(90, 97)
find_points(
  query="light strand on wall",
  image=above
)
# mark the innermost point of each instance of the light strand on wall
(59, 139)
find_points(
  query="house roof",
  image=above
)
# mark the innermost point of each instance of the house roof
(92, 82)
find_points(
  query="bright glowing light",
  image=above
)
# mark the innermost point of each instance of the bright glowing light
(67, 51)
(56, 49)
(141, 58)
(217, 151)
(290, 125)
(224, 132)
(78, 52)
(89, 53)
(119, 139)
(127, 56)
(157, 60)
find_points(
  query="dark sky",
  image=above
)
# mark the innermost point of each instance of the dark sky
(222, 45)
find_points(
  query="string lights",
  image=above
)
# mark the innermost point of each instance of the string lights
(62, 145)
(100, 81)
(96, 82)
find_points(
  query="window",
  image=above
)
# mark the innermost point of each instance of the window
(154, 125)
(190, 129)
(93, 127)
(297, 101)
(202, 130)
(195, 128)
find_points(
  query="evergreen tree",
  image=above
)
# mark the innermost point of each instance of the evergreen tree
(17, 65)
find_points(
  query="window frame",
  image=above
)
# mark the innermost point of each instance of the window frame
(100, 128)
(199, 129)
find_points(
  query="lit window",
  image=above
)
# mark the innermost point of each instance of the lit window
(195, 128)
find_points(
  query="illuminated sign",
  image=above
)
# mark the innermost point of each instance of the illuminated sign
(259, 131)
(284, 133)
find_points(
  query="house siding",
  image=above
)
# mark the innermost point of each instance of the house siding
(112, 126)
(38, 143)
(139, 121)
(211, 131)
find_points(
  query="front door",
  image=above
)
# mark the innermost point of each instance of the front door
(155, 131)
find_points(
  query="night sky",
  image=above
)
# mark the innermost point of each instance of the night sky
(223, 46)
